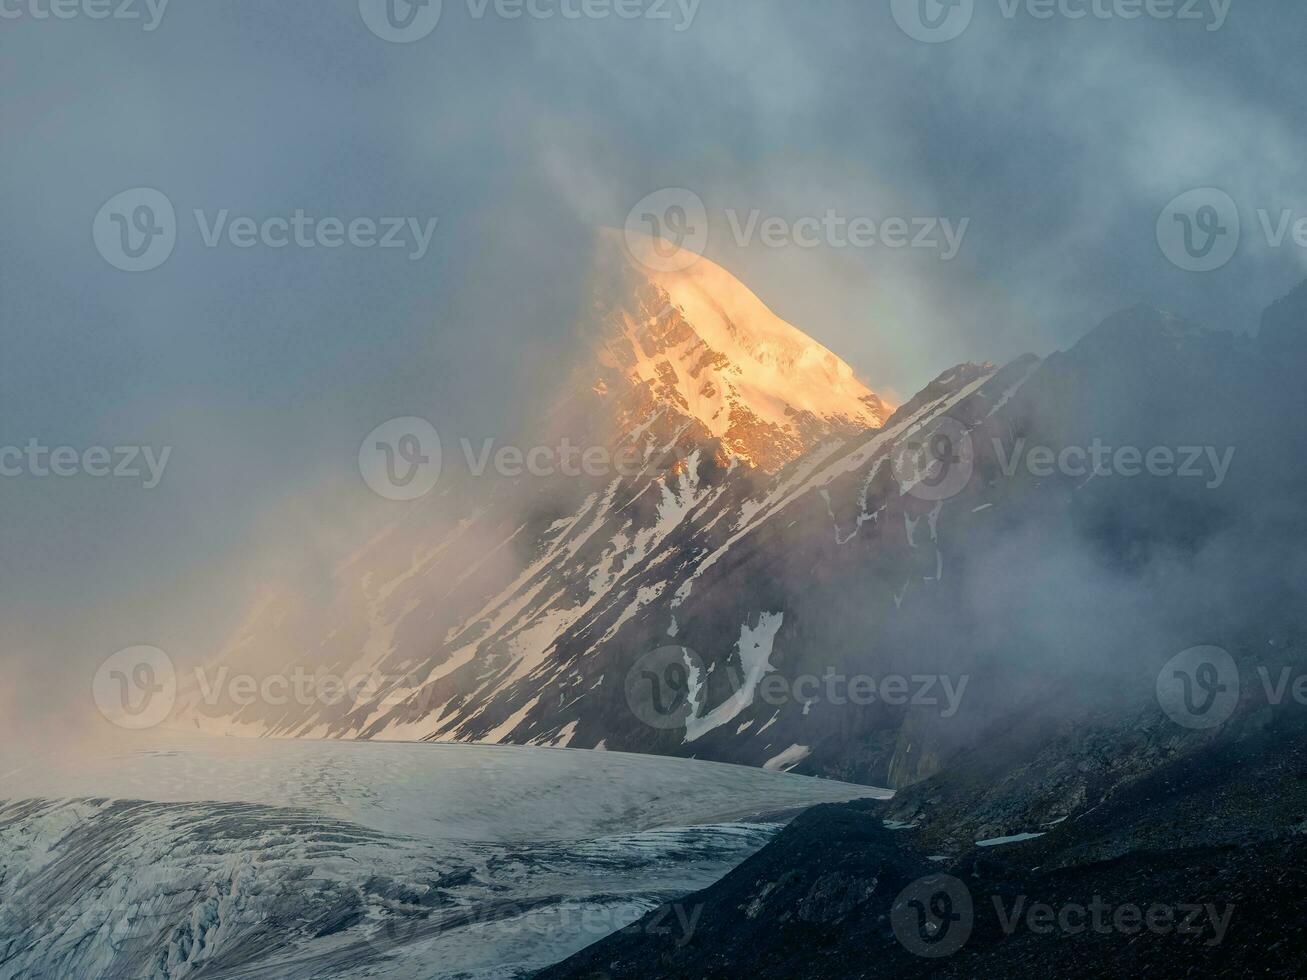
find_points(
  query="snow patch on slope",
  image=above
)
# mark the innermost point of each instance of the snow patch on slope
(754, 649)
(788, 759)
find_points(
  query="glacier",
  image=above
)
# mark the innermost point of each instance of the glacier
(170, 855)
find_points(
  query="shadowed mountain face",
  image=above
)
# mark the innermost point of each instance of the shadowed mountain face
(1082, 821)
(862, 598)
(471, 606)
(1185, 872)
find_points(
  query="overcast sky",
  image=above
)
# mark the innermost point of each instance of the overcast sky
(1058, 140)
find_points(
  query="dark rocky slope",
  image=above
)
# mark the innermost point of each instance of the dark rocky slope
(1212, 840)
(1065, 601)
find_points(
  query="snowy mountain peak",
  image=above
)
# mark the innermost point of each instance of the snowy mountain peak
(700, 343)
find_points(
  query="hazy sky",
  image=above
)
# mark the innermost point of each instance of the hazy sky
(1060, 139)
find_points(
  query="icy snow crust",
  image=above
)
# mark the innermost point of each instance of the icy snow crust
(272, 858)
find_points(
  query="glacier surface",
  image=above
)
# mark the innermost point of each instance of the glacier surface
(181, 856)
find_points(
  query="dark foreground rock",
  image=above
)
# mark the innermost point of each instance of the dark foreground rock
(1189, 866)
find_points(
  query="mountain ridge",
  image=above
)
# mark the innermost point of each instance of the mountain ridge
(531, 620)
